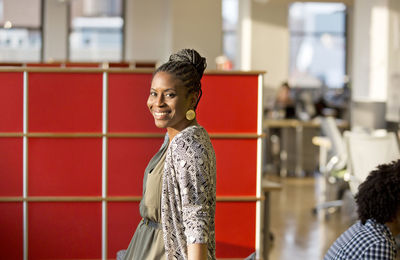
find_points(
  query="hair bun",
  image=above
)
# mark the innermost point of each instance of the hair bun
(190, 56)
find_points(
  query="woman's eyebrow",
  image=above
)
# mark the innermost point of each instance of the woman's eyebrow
(168, 89)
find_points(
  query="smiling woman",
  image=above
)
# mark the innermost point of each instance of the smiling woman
(179, 194)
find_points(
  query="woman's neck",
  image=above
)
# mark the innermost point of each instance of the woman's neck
(172, 132)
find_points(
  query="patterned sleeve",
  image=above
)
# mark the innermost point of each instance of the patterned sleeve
(193, 166)
(380, 251)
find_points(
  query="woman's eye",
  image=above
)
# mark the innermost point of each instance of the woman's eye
(170, 95)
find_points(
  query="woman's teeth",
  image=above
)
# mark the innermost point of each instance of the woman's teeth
(160, 113)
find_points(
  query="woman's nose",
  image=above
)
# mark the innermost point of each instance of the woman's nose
(160, 100)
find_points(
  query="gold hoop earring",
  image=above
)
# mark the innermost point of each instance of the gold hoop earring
(190, 114)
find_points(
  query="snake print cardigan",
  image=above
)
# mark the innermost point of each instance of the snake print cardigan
(188, 193)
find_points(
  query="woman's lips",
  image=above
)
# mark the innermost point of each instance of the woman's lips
(160, 115)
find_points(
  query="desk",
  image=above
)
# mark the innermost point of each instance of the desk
(299, 126)
(266, 186)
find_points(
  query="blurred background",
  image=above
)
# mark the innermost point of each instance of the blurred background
(324, 59)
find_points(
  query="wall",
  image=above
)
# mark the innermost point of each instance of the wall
(197, 24)
(28, 16)
(146, 27)
(270, 41)
(154, 29)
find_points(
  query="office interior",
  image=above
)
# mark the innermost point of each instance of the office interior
(329, 72)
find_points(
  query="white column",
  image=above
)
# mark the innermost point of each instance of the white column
(263, 35)
(264, 39)
(270, 40)
(370, 45)
(244, 35)
(55, 30)
(393, 94)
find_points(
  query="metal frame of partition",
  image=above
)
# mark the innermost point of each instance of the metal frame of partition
(105, 136)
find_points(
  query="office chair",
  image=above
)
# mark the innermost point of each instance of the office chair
(332, 146)
(366, 152)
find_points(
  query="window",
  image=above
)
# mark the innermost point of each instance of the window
(230, 12)
(20, 31)
(317, 44)
(96, 32)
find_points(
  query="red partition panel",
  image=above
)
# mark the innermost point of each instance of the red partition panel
(127, 160)
(65, 102)
(123, 218)
(236, 166)
(83, 65)
(45, 65)
(128, 111)
(119, 64)
(11, 64)
(229, 103)
(72, 102)
(235, 225)
(11, 101)
(11, 236)
(69, 230)
(64, 167)
(11, 166)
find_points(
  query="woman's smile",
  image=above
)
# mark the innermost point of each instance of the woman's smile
(161, 115)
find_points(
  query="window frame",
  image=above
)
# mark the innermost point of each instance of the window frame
(317, 34)
(29, 29)
(123, 32)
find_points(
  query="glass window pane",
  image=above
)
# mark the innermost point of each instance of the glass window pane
(317, 44)
(317, 17)
(229, 45)
(20, 45)
(317, 61)
(230, 13)
(96, 30)
(20, 32)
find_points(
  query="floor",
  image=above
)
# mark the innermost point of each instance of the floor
(298, 233)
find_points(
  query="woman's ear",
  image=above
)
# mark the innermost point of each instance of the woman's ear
(194, 96)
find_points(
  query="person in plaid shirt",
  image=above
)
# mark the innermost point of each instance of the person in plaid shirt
(378, 201)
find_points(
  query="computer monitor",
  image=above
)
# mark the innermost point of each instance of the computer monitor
(368, 115)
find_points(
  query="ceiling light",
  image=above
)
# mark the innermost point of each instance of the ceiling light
(7, 25)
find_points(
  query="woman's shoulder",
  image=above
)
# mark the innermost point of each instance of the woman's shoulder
(195, 132)
(194, 136)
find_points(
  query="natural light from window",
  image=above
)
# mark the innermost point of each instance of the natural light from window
(317, 45)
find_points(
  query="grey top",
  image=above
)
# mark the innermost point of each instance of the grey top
(148, 242)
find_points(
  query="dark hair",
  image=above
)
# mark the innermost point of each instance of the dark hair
(188, 66)
(378, 196)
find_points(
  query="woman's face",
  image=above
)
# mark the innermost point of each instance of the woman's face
(168, 101)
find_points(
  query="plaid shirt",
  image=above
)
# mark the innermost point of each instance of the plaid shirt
(370, 241)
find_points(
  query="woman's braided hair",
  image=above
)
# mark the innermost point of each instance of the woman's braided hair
(378, 196)
(188, 66)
